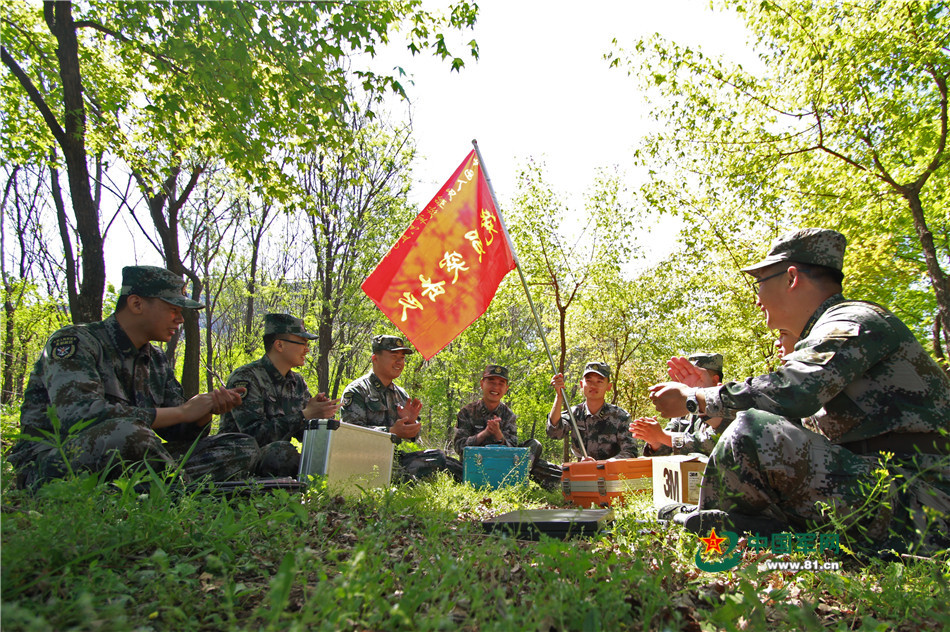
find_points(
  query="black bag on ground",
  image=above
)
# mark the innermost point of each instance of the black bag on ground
(424, 463)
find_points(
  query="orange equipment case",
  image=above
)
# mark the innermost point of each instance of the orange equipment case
(599, 483)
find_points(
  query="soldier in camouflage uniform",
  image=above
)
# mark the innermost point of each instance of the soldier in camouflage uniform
(812, 433)
(489, 421)
(684, 435)
(604, 427)
(116, 396)
(375, 401)
(276, 399)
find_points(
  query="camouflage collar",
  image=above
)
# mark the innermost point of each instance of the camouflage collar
(377, 383)
(482, 407)
(271, 370)
(123, 343)
(600, 412)
(830, 302)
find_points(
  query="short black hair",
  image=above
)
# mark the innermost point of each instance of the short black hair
(123, 301)
(821, 273)
(269, 340)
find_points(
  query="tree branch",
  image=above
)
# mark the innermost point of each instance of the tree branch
(122, 38)
(34, 95)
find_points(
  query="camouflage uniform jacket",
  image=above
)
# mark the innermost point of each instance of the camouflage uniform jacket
(857, 373)
(93, 372)
(697, 436)
(272, 409)
(366, 402)
(606, 434)
(473, 418)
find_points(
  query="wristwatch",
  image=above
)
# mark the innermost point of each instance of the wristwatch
(692, 404)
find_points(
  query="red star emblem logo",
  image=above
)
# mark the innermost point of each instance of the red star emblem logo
(713, 543)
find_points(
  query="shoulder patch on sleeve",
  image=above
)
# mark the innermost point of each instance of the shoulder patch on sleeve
(347, 397)
(246, 384)
(837, 329)
(64, 347)
(810, 356)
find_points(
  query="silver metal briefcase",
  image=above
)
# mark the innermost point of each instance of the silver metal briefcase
(352, 458)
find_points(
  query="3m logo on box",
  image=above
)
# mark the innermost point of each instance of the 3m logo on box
(677, 479)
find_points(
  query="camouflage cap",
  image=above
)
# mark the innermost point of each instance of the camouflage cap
(815, 246)
(600, 368)
(495, 370)
(390, 343)
(155, 282)
(709, 361)
(285, 324)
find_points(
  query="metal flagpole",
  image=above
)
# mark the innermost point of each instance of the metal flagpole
(524, 284)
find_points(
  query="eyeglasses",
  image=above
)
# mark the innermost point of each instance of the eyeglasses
(757, 284)
(294, 342)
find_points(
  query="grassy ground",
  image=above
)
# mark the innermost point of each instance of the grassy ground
(87, 556)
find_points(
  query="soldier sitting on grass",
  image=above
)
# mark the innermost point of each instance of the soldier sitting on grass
(375, 401)
(693, 433)
(277, 401)
(107, 375)
(852, 428)
(604, 427)
(489, 421)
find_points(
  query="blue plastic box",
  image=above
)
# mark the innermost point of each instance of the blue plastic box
(496, 466)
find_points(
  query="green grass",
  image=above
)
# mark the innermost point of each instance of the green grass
(82, 555)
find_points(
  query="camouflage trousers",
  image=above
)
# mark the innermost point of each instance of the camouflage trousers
(279, 458)
(766, 465)
(544, 473)
(112, 445)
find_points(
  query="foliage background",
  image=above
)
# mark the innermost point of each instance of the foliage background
(843, 99)
(273, 196)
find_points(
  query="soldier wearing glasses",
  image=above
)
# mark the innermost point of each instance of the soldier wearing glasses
(117, 400)
(277, 400)
(809, 440)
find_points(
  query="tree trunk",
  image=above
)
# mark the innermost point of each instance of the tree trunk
(66, 238)
(88, 305)
(938, 344)
(937, 278)
(7, 394)
(167, 228)
(324, 344)
(6, 388)
(250, 344)
(329, 305)
(191, 369)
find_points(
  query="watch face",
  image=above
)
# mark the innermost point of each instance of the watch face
(692, 405)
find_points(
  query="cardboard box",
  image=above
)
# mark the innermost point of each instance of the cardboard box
(352, 458)
(495, 466)
(677, 478)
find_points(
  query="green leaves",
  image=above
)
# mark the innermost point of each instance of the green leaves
(839, 124)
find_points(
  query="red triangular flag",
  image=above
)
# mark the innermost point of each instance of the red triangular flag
(445, 269)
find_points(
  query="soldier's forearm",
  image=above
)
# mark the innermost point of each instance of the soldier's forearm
(165, 417)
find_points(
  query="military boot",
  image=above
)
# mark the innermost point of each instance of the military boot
(703, 521)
